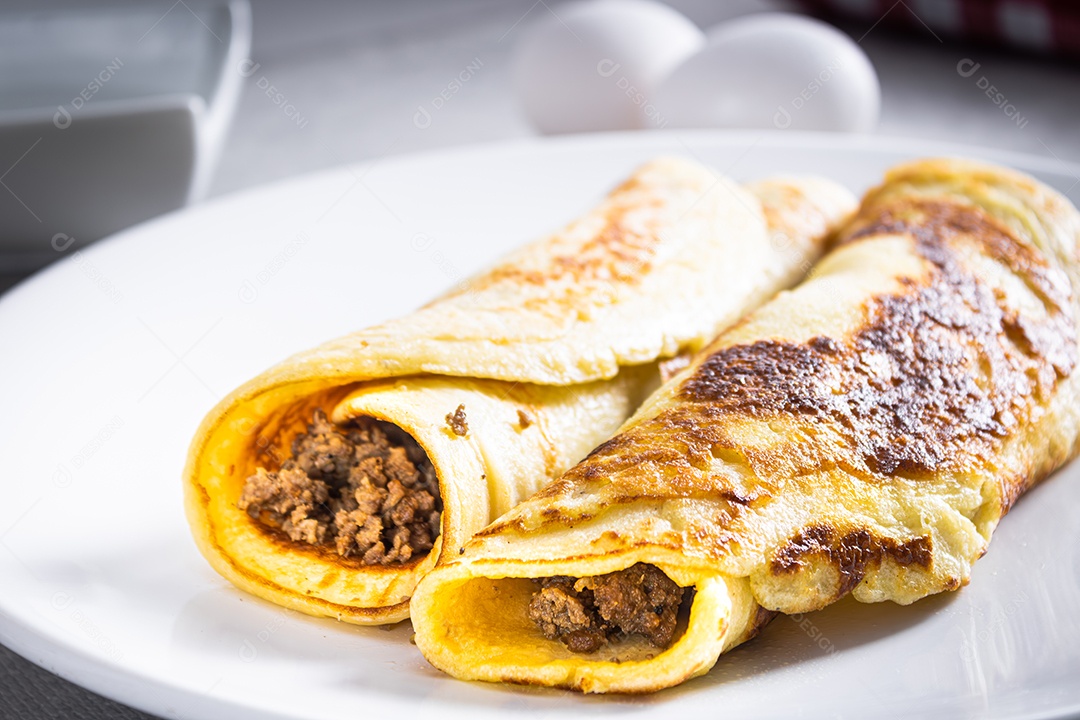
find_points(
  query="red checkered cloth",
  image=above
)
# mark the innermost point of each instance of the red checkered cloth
(1042, 26)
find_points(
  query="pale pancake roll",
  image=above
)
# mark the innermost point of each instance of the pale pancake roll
(334, 481)
(863, 433)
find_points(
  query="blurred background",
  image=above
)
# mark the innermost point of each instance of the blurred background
(112, 114)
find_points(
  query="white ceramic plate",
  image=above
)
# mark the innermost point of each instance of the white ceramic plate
(111, 357)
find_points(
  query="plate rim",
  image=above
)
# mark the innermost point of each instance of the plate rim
(819, 140)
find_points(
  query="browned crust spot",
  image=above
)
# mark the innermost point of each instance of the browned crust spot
(851, 553)
(674, 365)
(937, 376)
(616, 253)
(934, 222)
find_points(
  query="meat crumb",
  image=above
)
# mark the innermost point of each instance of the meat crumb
(366, 489)
(457, 423)
(585, 613)
(524, 419)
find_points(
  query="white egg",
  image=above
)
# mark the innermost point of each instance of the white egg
(773, 70)
(594, 65)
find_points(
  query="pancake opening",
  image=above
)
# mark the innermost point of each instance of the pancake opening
(482, 627)
(587, 613)
(364, 489)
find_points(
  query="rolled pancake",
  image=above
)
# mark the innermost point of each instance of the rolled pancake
(502, 384)
(863, 433)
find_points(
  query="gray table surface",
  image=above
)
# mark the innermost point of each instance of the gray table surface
(356, 72)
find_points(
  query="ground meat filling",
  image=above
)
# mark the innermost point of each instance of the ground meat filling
(585, 613)
(365, 488)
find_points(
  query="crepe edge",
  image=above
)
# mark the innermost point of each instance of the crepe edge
(723, 614)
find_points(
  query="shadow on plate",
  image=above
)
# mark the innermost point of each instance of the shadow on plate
(786, 642)
(813, 637)
(226, 622)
